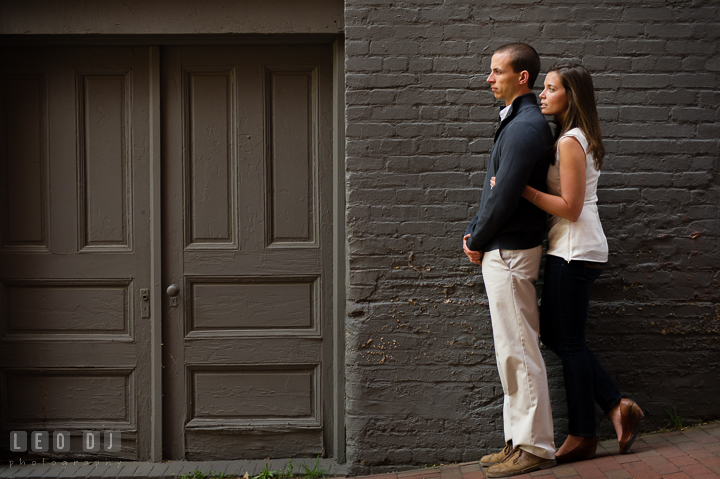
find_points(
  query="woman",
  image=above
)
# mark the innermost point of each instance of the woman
(577, 253)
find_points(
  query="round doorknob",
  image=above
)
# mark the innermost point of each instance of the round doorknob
(173, 291)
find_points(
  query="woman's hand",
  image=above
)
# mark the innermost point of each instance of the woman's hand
(492, 182)
(572, 183)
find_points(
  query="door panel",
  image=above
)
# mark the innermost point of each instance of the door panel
(210, 201)
(74, 243)
(105, 181)
(290, 198)
(247, 240)
(24, 124)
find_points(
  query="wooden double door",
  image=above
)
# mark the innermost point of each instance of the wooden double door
(166, 248)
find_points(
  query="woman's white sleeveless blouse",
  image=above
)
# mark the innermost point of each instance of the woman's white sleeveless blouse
(583, 239)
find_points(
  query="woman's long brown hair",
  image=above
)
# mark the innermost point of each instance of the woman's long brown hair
(582, 111)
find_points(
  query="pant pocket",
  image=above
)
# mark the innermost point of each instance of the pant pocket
(592, 270)
(506, 256)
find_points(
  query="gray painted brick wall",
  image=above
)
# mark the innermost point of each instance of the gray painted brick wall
(421, 380)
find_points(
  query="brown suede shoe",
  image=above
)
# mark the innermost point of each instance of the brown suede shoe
(630, 416)
(519, 462)
(497, 457)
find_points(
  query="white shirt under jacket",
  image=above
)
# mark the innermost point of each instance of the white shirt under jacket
(583, 239)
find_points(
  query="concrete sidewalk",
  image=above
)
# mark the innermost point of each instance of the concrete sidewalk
(690, 453)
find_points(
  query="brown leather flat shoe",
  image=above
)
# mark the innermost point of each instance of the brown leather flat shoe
(584, 450)
(630, 416)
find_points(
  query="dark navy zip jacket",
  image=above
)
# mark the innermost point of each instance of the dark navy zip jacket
(520, 156)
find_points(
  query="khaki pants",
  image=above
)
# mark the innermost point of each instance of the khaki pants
(509, 277)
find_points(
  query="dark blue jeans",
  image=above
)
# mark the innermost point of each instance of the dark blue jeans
(563, 314)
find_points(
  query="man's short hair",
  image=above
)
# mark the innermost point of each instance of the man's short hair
(523, 57)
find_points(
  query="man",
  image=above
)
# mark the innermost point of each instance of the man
(505, 238)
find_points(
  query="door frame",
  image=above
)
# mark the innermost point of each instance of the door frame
(340, 248)
(340, 264)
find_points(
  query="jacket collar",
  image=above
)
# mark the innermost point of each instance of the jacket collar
(518, 104)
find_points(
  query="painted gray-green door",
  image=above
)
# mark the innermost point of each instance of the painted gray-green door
(247, 335)
(74, 243)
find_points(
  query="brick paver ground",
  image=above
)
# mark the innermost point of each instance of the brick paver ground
(690, 453)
